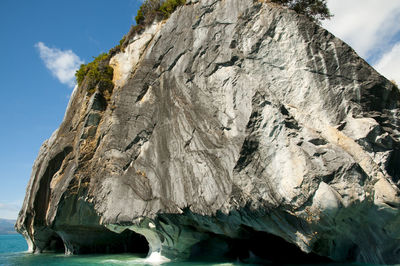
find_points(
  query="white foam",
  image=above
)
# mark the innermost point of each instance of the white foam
(123, 262)
(156, 258)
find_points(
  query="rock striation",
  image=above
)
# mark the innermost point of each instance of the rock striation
(232, 122)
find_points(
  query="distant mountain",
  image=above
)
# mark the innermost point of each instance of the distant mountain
(7, 227)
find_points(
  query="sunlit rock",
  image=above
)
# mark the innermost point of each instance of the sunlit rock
(232, 124)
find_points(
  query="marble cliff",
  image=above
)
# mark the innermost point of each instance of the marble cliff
(232, 124)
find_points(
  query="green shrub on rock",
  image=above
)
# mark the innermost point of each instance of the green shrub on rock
(152, 9)
(148, 11)
(80, 74)
(169, 6)
(316, 10)
(97, 73)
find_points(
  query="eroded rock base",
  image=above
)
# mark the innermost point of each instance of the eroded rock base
(89, 240)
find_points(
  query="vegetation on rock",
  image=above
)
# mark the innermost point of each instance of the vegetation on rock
(169, 6)
(316, 10)
(152, 9)
(119, 46)
(97, 73)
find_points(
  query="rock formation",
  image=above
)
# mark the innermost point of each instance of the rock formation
(231, 122)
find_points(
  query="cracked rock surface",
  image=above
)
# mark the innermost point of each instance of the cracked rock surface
(231, 117)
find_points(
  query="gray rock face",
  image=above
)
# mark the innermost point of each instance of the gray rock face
(228, 121)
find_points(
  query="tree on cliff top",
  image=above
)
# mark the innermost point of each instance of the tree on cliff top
(316, 10)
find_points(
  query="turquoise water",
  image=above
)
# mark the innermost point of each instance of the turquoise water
(13, 252)
(12, 244)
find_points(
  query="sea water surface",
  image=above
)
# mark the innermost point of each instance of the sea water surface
(13, 252)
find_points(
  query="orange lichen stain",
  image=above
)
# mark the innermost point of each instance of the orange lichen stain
(117, 74)
(141, 173)
(312, 215)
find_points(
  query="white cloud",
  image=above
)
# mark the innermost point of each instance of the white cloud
(10, 210)
(62, 64)
(389, 64)
(367, 25)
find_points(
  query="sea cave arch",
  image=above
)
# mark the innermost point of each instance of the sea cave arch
(82, 240)
(255, 247)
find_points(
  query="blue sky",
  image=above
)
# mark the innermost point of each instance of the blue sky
(372, 28)
(33, 99)
(43, 41)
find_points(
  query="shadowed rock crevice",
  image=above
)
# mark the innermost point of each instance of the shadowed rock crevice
(393, 166)
(43, 194)
(379, 97)
(251, 142)
(249, 147)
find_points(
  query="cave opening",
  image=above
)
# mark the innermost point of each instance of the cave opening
(393, 167)
(271, 248)
(255, 247)
(134, 243)
(99, 240)
(55, 244)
